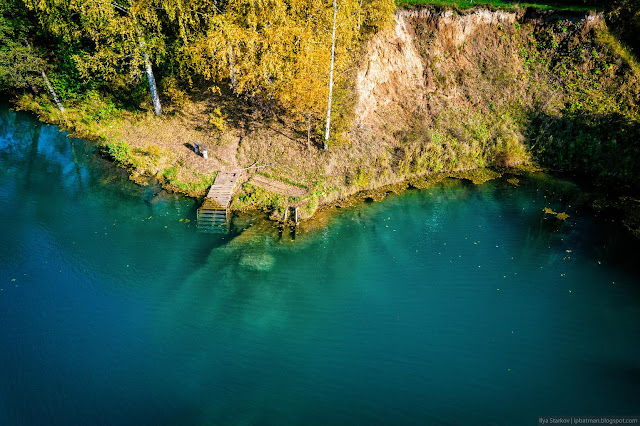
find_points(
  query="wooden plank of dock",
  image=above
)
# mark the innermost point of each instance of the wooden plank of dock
(222, 189)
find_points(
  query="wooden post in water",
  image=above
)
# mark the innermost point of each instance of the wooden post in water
(296, 216)
(286, 213)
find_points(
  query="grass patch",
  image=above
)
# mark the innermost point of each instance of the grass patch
(193, 184)
(282, 179)
(121, 153)
(253, 197)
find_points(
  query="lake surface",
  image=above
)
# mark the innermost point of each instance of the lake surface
(454, 304)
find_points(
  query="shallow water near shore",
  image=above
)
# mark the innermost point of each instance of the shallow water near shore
(458, 303)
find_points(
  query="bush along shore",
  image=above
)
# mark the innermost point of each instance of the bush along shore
(416, 95)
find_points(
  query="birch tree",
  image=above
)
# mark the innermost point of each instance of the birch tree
(292, 53)
(120, 35)
(352, 21)
(325, 145)
(151, 79)
(299, 56)
(52, 91)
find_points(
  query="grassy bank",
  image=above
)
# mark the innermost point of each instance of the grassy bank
(435, 97)
(146, 146)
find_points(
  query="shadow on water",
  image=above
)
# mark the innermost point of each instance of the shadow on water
(601, 151)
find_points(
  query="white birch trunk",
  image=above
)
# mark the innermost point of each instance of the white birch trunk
(49, 86)
(309, 132)
(53, 92)
(153, 89)
(333, 54)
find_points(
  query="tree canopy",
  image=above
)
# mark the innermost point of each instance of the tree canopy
(276, 51)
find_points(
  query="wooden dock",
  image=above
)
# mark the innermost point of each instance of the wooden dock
(213, 215)
(222, 188)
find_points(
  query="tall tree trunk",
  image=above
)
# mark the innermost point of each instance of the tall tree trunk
(333, 54)
(153, 89)
(53, 92)
(309, 132)
(49, 85)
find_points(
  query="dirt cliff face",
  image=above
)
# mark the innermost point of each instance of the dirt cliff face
(446, 90)
(400, 72)
(403, 67)
(393, 78)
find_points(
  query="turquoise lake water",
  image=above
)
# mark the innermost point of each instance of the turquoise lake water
(452, 305)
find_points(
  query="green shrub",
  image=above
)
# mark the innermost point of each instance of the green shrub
(509, 152)
(170, 174)
(121, 153)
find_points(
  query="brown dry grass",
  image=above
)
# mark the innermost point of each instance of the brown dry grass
(176, 134)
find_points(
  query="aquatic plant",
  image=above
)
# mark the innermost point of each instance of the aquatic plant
(560, 216)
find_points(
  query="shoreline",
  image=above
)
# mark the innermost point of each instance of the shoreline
(622, 205)
(430, 100)
(376, 190)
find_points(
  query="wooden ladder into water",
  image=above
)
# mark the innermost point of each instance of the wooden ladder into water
(213, 215)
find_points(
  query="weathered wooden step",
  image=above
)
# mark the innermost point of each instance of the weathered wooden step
(212, 216)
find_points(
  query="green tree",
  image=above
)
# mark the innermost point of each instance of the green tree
(122, 37)
(20, 66)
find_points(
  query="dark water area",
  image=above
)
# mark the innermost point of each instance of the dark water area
(455, 304)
